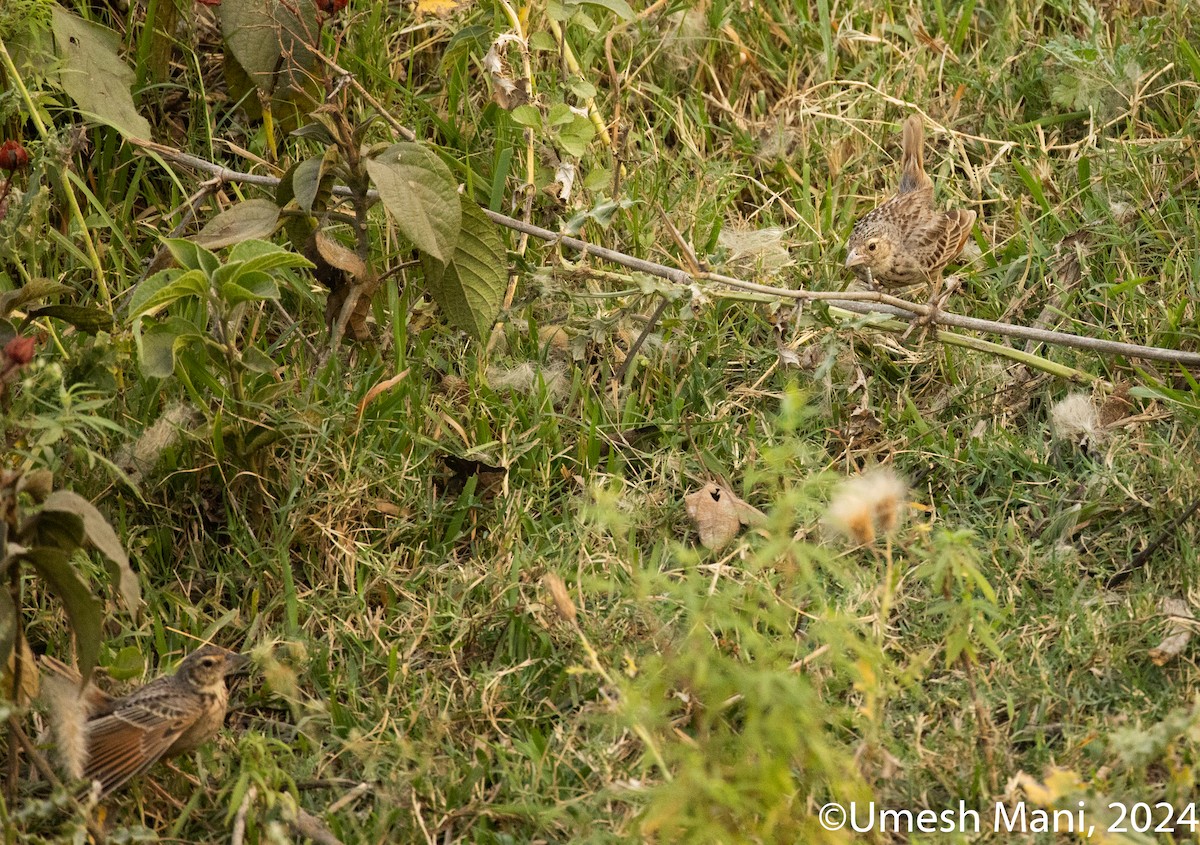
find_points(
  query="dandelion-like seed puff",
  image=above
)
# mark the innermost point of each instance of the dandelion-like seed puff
(868, 504)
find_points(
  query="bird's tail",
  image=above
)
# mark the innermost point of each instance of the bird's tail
(913, 176)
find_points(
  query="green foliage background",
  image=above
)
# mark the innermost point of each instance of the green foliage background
(995, 648)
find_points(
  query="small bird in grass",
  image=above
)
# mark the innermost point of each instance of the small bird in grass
(906, 241)
(171, 715)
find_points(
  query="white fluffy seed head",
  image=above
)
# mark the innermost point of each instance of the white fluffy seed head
(68, 712)
(867, 504)
(1077, 419)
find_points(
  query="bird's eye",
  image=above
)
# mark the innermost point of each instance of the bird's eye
(871, 246)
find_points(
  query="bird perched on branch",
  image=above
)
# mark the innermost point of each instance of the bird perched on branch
(171, 715)
(906, 240)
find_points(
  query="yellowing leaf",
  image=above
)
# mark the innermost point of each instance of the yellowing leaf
(94, 76)
(436, 8)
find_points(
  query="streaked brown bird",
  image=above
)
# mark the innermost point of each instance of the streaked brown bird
(906, 240)
(171, 715)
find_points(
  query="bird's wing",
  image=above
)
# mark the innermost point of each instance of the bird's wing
(135, 734)
(941, 240)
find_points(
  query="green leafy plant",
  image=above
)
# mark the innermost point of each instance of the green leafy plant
(192, 321)
(46, 538)
(461, 250)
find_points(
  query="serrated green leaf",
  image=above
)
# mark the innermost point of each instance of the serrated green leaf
(421, 194)
(94, 76)
(575, 137)
(249, 287)
(471, 288)
(265, 256)
(163, 288)
(83, 610)
(582, 88)
(99, 533)
(241, 222)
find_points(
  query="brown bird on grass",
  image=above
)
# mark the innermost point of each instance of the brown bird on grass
(906, 240)
(171, 715)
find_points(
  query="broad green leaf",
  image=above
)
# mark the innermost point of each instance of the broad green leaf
(241, 222)
(266, 256)
(542, 41)
(159, 344)
(226, 273)
(250, 287)
(312, 182)
(316, 132)
(618, 7)
(298, 228)
(94, 76)
(259, 33)
(421, 195)
(258, 361)
(128, 664)
(51, 529)
(526, 115)
(575, 137)
(83, 610)
(163, 288)
(192, 256)
(471, 288)
(100, 534)
(35, 289)
(89, 320)
(559, 114)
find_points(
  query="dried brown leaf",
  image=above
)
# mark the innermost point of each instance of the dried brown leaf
(562, 598)
(339, 256)
(719, 515)
(1180, 622)
(373, 393)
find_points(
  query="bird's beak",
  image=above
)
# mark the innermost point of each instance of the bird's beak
(235, 662)
(853, 259)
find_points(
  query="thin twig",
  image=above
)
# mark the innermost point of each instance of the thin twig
(311, 827)
(397, 127)
(239, 820)
(1141, 557)
(637, 344)
(848, 300)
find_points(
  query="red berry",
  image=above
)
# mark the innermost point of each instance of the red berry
(19, 350)
(13, 156)
(331, 7)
